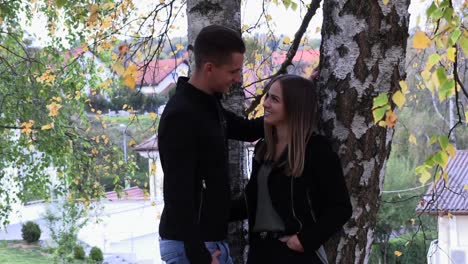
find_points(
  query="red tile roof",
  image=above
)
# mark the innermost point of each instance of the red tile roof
(133, 193)
(157, 70)
(450, 197)
(150, 144)
(310, 55)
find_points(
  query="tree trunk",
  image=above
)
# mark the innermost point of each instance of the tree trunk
(201, 13)
(362, 54)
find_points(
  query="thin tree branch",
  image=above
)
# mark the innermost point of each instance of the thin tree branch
(315, 4)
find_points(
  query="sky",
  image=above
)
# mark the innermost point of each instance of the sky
(284, 21)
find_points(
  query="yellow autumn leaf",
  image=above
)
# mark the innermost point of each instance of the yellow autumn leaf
(130, 82)
(268, 17)
(53, 108)
(390, 118)
(446, 177)
(152, 115)
(286, 40)
(449, 215)
(153, 167)
(404, 87)
(421, 40)
(382, 123)
(26, 127)
(48, 126)
(451, 150)
(118, 68)
(385, 2)
(451, 54)
(162, 1)
(426, 75)
(399, 99)
(132, 143)
(108, 6)
(179, 46)
(412, 139)
(258, 57)
(398, 253)
(465, 187)
(317, 29)
(124, 106)
(130, 76)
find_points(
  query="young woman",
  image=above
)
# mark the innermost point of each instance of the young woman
(296, 198)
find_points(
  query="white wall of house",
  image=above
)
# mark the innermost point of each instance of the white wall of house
(453, 241)
(180, 70)
(156, 175)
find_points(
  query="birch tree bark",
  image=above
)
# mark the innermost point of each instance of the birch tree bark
(362, 54)
(201, 13)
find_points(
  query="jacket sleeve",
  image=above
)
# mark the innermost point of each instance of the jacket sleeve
(179, 151)
(331, 206)
(242, 129)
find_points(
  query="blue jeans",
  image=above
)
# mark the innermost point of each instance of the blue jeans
(173, 251)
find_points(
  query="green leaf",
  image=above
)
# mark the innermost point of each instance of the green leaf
(441, 76)
(446, 90)
(380, 100)
(454, 37)
(430, 162)
(61, 3)
(448, 14)
(293, 6)
(286, 3)
(379, 113)
(464, 45)
(432, 8)
(437, 14)
(444, 3)
(432, 60)
(443, 141)
(424, 174)
(441, 158)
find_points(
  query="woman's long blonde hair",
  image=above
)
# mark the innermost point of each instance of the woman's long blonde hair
(300, 106)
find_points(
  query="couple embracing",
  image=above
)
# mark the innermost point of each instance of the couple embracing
(296, 198)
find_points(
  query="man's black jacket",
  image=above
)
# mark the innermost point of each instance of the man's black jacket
(192, 140)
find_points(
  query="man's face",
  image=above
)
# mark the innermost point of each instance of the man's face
(223, 76)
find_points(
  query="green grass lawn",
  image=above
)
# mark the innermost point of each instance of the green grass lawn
(12, 253)
(19, 252)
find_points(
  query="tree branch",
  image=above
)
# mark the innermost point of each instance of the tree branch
(314, 5)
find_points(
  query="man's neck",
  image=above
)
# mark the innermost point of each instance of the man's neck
(197, 81)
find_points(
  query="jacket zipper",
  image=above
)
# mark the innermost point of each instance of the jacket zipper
(292, 203)
(201, 200)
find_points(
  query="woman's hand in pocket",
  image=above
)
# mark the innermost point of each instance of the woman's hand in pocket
(293, 243)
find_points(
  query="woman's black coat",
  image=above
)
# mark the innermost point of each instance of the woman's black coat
(320, 193)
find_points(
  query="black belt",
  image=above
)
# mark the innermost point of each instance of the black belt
(270, 235)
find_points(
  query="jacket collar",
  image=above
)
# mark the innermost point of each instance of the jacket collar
(183, 86)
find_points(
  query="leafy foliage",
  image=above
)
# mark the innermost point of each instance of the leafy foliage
(78, 252)
(96, 255)
(30, 231)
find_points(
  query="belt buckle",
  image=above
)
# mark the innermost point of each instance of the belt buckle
(263, 235)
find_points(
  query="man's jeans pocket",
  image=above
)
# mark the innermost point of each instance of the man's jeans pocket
(173, 252)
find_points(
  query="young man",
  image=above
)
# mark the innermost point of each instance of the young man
(192, 140)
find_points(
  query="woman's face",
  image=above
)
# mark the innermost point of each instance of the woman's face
(273, 105)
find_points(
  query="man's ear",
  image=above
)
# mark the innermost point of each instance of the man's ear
(208, 67)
